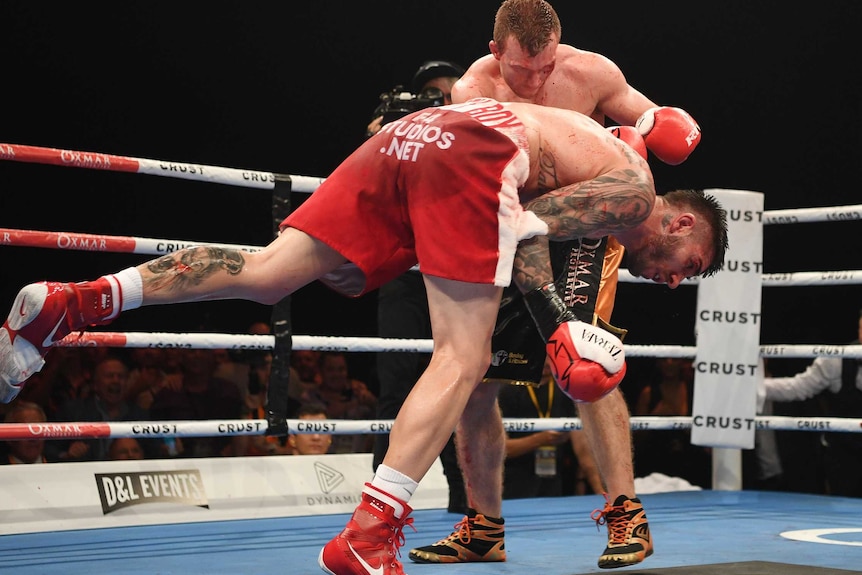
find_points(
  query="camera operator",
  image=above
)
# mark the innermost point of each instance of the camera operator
(402, 308)
(431, 86)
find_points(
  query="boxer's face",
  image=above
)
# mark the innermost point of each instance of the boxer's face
(669, 259)
(525, 74)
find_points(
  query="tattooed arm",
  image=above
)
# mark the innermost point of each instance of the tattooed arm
(613, 202)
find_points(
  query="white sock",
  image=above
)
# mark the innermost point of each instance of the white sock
(128, 287)
(395, 484)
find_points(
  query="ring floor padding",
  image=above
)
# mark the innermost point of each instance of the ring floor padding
(695, 533)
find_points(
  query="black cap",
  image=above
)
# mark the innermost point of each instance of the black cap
(434, 69)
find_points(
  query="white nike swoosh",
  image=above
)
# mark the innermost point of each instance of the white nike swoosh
(49, 339)
(371, 570)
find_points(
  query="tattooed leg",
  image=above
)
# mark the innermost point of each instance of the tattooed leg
(201, 273)
(183, 271)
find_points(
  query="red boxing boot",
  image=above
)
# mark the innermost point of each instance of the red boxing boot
(43, 314)
(369, 544)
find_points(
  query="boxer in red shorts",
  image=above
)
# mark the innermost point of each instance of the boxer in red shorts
(453, 189)
(474, 212)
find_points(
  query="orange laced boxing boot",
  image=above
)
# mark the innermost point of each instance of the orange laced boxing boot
(629, 540)
(369, 543)
(476, 538)
(44, 313)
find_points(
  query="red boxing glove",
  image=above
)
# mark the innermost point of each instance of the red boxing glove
(630, 135)
(670, 133)
(587, 361)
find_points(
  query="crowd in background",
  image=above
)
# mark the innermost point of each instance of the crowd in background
(104, 384)
(101, 384)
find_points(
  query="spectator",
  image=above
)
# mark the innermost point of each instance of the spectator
(149, 373)
(67, 375)
(310, 443)
(535, 463)
(304, 378)
(345, 398)
(24, 450)
(838, 382)
(200, 396)
(108, 403)
(669, 393)
(260, 368)
(769, 469)
(234, 364)
(123, 448)
(242, 365)
(670, 451)
(306, 364)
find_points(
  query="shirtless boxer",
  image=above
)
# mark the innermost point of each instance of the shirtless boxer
(446, 186)
(527, 63)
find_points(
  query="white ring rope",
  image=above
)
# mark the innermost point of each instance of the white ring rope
(380, 344)
(807, 215)
(302, 184)
(99, 243)
(153, 246)
(112, 163)
(779, 279)
(231, 427)
(307, 184)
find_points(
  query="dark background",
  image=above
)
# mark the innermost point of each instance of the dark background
(288, 87)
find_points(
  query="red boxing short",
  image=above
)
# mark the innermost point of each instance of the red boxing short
(438, 187)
